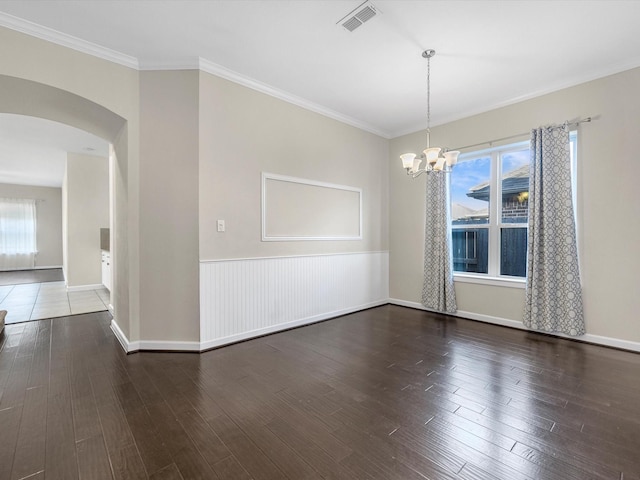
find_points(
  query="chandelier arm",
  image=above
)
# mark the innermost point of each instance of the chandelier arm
(418, 173)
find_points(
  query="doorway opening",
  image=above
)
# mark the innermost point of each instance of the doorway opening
(30, 98)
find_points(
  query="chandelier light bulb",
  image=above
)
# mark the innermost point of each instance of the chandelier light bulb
(407, 159)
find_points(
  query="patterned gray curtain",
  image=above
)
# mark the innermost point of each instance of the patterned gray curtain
(553, 300)
(437, 291)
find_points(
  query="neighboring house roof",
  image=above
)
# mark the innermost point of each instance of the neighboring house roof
(462, 212)
(515, 181)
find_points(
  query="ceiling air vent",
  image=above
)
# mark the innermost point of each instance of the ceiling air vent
(357, 17)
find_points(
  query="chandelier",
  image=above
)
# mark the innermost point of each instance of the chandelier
(436, 159)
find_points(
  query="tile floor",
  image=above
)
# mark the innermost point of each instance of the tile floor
(35, 301)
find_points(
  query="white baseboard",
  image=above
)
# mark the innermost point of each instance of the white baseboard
(219, 342)
(83, 288)
(610, 342)
(505, 322)
(164, 345)
(22, 269)
(122, 338)
(171, 346)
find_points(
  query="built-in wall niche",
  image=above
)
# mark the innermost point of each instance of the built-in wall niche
(301, 209)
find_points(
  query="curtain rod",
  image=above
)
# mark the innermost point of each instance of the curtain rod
(490, 142)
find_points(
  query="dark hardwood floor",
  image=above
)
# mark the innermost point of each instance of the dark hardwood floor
(387, 393)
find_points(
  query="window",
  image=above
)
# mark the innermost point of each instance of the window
(489, 211)
(17, 231)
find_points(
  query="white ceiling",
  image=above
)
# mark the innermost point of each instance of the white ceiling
(33, 150)
(489, 53)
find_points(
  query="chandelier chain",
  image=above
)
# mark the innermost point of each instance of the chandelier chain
(428, 99)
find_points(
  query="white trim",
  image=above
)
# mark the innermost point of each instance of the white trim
(168, 345)
(83, 288)
(303, 181)
(245, 81)
(493, 281)
(145, 345)
(505, 322)
(111, 309)
(69, 41)
(578, 80)
(52, 267)
(129, 347)
(28, 269)
(610, 342)
(242, 259)
(219, 342)
(126, 345)
(169, 65)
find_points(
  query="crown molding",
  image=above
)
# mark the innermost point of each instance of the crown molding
(69, 41)
(185, 64)
(45, 33)
(223, 72)
(556, 87)
(59, 38)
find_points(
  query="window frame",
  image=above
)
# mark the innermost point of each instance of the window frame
(495, 224)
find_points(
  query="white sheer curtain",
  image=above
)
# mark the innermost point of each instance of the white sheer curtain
(553, 300)
(438, 291)
(17, 233)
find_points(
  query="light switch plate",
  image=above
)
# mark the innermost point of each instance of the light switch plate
(221, 225)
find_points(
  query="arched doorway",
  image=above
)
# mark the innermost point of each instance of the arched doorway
(25, 97)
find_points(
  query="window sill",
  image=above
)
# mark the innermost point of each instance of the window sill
(493, 281)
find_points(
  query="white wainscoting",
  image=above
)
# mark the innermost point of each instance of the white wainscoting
(245, 298)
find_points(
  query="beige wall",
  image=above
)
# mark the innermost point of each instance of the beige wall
(244, 133)
(608, 222)
(48, 219)
(65, 221)
(86, 191)
(169, 274)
